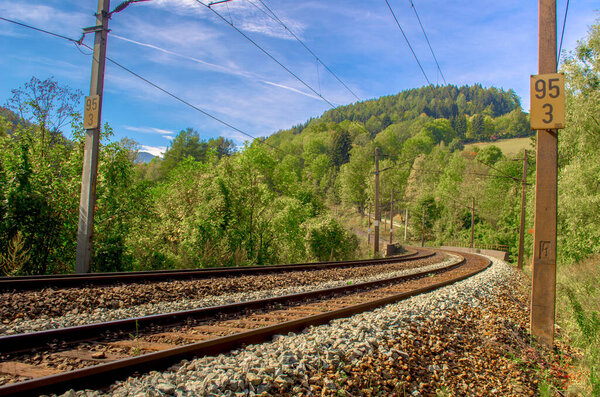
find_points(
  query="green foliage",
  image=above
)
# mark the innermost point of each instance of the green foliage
(341, 145)
(187, 143)
(489, 155)
(579, 149)
(327, 240)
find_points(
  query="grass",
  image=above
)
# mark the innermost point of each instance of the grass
(578, 307)
(508, 146)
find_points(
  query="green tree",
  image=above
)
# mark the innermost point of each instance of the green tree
(186, 144)
(340, 147)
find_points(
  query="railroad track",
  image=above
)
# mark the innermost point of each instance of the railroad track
(98, 354)
(23, 283)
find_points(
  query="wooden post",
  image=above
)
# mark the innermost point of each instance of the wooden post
(87, 201)
(369, 226)
(392, 217)
(405, 224)
(522, 227)
(377, 214)
(543, 293)
(472, 220)
(423, 229)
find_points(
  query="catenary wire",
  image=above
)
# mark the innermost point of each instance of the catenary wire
(145, 80)
(267, 53)
(274, 17)
(562, 34)
(426, 38)
(407, 42)
(40, 30)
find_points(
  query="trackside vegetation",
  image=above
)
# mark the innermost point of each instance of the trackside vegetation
(208, 203)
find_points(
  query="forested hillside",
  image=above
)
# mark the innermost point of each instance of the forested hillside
(206, 204)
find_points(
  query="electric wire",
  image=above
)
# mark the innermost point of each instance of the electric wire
(562, 34)
(497, 170)
(274, 17)
(146, 81)
(407, 42)
(40, 30)
(185, 102)
(267, 54)
(426, 38)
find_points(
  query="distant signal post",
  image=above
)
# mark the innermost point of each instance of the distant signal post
(547, 115)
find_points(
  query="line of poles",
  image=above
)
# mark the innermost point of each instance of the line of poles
(377, 214)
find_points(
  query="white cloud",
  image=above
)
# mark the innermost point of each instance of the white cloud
(45, 17)
(291, 89)
(250, 17)
(154, 150)
(149, 130)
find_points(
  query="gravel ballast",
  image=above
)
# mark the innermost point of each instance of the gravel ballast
(103, 314)
(48, 303)
(334, 359)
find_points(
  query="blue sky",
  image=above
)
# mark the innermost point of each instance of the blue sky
(186, 49)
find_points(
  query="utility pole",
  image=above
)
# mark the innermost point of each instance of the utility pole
(405, 223)
(423, 229)
(377, 215)
(92, 117)
(522, 229)
(392, 216)
(543, 294)
(472, 221)
(369, 226)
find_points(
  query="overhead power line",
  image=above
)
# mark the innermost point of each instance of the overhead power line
(426, 38)
(145, 80)
(40, 30)
(562, 34)
(271, 14)
(267, 54)
(407, 42)
(497, 170)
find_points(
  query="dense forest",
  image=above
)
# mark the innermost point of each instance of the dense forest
(208, 204)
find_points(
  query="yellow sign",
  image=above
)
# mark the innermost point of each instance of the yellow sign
(92, 112)
(547, 101)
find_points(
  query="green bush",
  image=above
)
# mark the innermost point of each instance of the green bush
(328, 240)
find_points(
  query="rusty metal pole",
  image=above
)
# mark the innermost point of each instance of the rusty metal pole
(522, 227)
(472, 220)
(543, 293)
(377, 214)
(423, 229)
(392, 217)
(89, 176)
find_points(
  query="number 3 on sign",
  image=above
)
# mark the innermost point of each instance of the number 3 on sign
(92, 110)
(547, 101)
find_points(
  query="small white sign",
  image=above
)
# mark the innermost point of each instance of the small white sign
(391, 230)
(376, 223)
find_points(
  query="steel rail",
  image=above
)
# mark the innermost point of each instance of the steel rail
(21, 283)
(102, 374)
(34, 340)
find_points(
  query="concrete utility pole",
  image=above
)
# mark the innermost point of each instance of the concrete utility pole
(472, 220)
(522, 229)
(423, 229)
(405, 223)
(92, 118)
(544, 250)
(377, 215)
